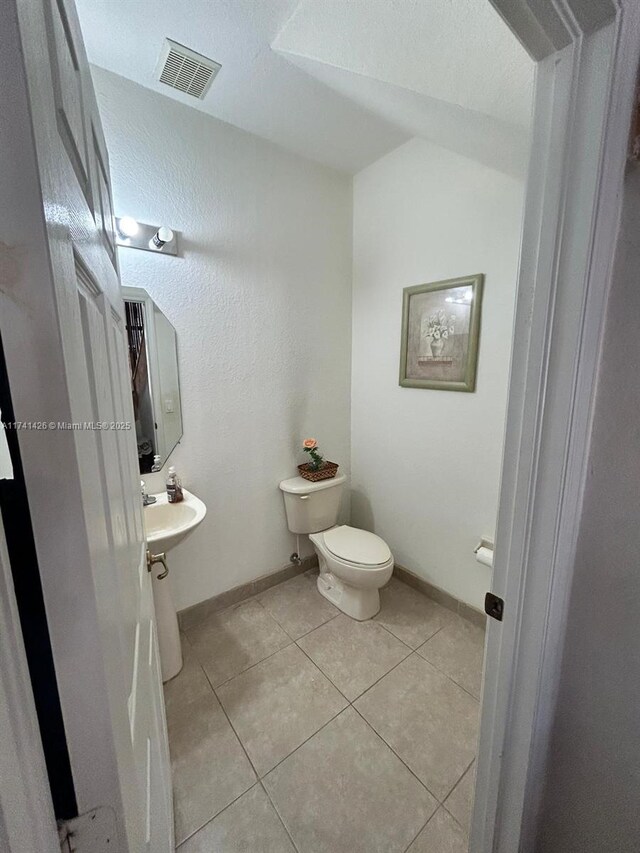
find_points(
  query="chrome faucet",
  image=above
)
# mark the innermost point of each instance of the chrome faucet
(146, 498)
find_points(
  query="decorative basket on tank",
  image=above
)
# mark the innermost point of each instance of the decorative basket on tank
(326, 472)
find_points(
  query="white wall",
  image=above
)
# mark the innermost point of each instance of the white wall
(426, 464)
(261, 302)
(592, 772)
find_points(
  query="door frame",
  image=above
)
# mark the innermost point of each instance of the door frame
(586, 76)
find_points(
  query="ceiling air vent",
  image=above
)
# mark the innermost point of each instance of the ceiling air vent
(186, 70)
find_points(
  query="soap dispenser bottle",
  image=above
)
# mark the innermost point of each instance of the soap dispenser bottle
(174, 487)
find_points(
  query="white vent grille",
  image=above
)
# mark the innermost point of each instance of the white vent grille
(186, 70)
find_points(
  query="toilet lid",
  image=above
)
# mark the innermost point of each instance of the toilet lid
(357, 546)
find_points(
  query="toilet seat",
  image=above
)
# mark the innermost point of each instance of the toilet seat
(357, 547)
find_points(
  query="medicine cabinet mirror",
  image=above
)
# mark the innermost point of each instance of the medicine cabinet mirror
(155, 384)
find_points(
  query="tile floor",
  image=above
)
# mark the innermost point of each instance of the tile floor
(294, 728)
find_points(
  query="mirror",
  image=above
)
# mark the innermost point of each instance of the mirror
(155, 385)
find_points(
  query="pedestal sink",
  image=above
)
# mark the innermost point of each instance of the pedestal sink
(166, 525)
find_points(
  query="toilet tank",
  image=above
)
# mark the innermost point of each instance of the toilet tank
(312, 507)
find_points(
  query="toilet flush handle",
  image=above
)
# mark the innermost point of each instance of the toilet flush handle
(304, 497)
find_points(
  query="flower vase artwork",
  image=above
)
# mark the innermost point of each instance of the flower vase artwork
(435, 329)
(317, 468)
(440, 334)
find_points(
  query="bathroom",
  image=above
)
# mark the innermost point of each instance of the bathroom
(299, 226)
(319, 252)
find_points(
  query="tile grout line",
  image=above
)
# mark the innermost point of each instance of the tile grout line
(260, 779)
(355, 699)
(211, 819)
(295, 642)
(251, 666)
(317, 628)
(238, 738)
(390, 632)
(258, 776)
(444, 804)
(402, 761)
(324, 674)
(372, 727)
(235, 606)
(306, 633)
(219, 612)
(350, 702)
(424, 826)
(378, 680)
(251, 597)
(256, 597)
(439, 803)
(454, 819)
(446, 674)
(291, 642)
(306, 740)
(279, 816)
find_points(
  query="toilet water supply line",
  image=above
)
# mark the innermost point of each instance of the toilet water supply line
(295, 558)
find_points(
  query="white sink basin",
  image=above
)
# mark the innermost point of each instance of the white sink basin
(167, 524)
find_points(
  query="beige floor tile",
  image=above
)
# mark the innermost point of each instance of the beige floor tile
(441, 835)
(277, 704)
(189, 684)
(229, 642)
(250, 825)
(353, 654)
(428, 720)
(209, 767)
(409, 614)
(344, 791)
(458, 650)
(460, 800)
(297, 606)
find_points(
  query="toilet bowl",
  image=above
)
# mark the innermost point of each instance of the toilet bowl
(354, 563)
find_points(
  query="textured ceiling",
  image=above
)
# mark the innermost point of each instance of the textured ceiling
(457, 51)
(338, 82)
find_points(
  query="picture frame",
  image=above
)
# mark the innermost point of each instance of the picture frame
(441, 334)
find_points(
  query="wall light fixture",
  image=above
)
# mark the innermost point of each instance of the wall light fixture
(150, 238)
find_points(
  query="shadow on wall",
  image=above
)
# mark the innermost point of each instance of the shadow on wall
(361, 511)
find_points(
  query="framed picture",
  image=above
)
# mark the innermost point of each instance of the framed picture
(440, 334)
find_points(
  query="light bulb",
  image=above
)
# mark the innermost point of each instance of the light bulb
(165, 234)
(162, 236)
(128, 226)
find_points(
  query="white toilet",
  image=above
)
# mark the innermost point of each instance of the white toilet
(354, 564)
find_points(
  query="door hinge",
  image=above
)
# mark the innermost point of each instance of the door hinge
(93, 832)
(494, 606)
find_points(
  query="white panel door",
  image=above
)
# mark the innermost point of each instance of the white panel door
(61, 320)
